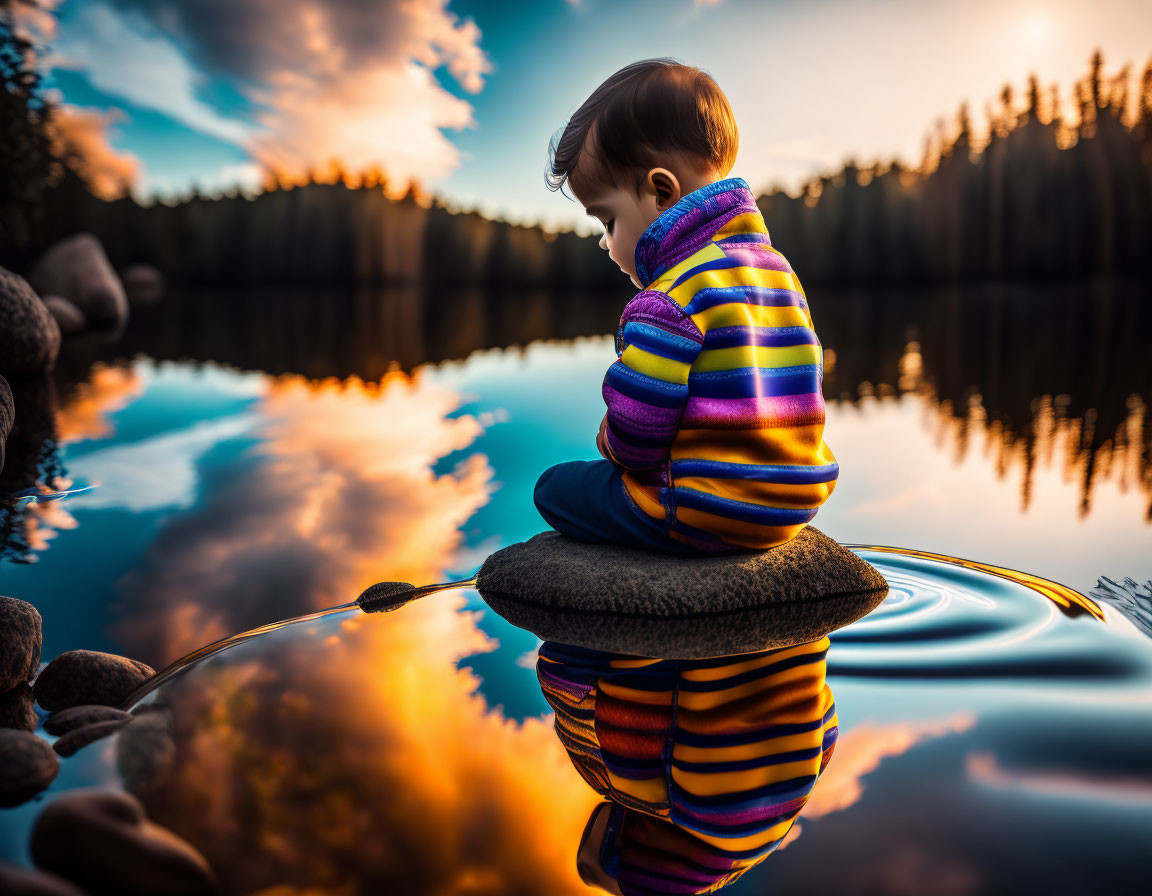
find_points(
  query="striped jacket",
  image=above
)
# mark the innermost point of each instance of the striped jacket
(707, 762)
(715, 411)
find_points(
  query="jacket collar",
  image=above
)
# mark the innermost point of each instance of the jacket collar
(686, 226)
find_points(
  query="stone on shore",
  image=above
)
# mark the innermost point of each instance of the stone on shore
(78, 738)
(143, 284)
(102, 842)
(627, 600)
(27, 765)
(7, 415)
(17, 709)
(31, 339)
(78, 716)
(77, 269)
(86, 676)
(20, 641)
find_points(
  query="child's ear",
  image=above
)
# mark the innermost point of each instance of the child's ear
(663, 184)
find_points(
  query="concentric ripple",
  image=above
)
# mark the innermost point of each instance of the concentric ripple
(946, 617)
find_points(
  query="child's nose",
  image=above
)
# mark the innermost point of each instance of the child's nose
(603, 241)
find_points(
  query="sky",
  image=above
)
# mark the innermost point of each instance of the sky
(464, 95)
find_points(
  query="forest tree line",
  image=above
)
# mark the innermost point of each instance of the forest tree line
(1039, 198)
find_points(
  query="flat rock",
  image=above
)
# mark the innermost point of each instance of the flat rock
(102, 842)
(77, 269)
(78, 738)
(86, 676)
(31, 335)
(27, 765)
(626, 600)
(16, 881)
(20, 642)
(78, 716)
(17, 709)
(68, 317)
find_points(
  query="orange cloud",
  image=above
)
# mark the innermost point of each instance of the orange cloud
(80, 137)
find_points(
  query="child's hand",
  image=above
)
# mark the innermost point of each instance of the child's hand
(601, 439)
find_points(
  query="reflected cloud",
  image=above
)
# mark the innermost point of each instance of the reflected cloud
(340, 495)
(106, 389)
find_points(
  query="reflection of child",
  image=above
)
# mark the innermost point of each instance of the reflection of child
(713, 438)
(706, 763)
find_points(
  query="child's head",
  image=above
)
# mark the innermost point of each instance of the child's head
(653, 132)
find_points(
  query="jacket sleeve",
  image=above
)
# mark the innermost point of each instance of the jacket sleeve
(646, 388)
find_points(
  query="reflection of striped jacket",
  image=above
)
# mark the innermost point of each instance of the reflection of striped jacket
(708, 762)
(714, 406)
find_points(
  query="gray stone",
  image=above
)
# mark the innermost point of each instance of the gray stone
(143, 284)
(78, 716)
(27, 766)
(17, 709)
(69, 318)
(78, 738)
(626, 600)
(31, 335)
(20, 641)
(16, 881)
(77, 269)
(102, 842)
(7, 410)
(86, 676)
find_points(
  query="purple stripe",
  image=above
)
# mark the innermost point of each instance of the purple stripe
(631, 416)
(757, 258)
(747, 413)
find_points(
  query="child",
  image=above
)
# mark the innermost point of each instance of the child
(713, 438)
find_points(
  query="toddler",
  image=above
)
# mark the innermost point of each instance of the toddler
(713, 437)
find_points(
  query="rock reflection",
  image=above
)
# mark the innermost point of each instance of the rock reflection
(705, 764)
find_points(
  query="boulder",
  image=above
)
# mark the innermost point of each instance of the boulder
(7, 415)
(27, 766)
(145, 751)
(17, 709)
(16, 881)
(87, 676)
(68, 317)
(78, 738)
(20, 641)
(627, 600)
(102, 842)
(31, 335)
(143, 284)
(78, 716)
(77, 269)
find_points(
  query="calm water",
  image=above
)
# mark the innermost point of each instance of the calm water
(990, 739)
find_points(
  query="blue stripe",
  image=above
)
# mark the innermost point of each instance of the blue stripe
(767, 296)
(637, 385)
(754, 382)
(716, 264)
(773, 337)
(720, 684)
(660, 342)
(745, 238)
(785, 474)
(744, 511)
(777, 791)
(743, 765)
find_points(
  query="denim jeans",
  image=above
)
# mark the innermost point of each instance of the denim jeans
(586, 500)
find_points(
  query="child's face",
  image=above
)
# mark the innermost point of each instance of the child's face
(625, 217)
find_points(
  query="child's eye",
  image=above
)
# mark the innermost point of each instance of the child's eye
(608, 226)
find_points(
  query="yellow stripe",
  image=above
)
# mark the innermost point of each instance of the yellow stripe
(655, 365)
(642, 496)
(784, 445)
(779, 689)
(759, 750)
(741, 314)
(635, 695)
(710, 252)
(755, 356)
(749, 222)
(718, 673)
(738, 276)
(717, 783)
(752, 841)
(651, 790)
(767, 494)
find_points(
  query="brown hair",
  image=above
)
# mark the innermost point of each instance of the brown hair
(640, 114)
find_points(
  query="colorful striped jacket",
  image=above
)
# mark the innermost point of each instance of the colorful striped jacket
(707, 762)
(715, 410)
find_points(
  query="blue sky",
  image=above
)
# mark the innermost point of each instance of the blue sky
(466, 94)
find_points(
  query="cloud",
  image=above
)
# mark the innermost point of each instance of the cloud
(340, 79)
(128, 57)
(81, 136)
